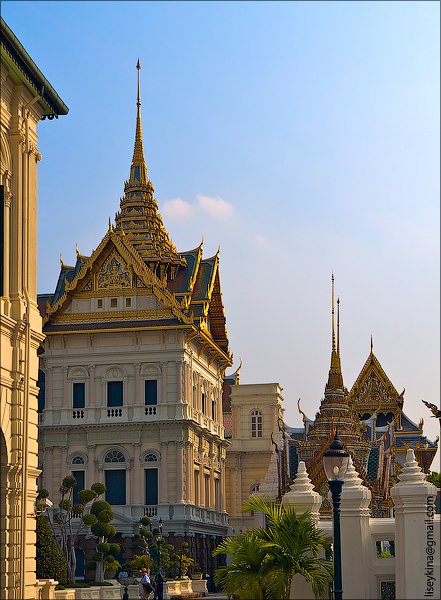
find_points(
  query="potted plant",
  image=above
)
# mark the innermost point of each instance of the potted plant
(196, 572)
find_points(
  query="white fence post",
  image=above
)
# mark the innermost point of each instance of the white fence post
(417, 548)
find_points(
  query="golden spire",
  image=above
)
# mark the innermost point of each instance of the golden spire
(338, 327)
(335, 378)
(372, 344)
(333, 325)
(138, 170)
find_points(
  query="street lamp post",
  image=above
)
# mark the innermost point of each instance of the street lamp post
(335, 462)
(159, 540)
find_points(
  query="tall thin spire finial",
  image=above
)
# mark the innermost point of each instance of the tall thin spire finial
(138, 170)
(372, 344)
(333, 323)
(138, 66)
(338, 326)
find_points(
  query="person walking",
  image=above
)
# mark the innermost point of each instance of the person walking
(145, 587)
(159, 584)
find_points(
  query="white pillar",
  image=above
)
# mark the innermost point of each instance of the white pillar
(91, 466)
(302, 495)
(355, 537)
(417, 550)
(303, 498)
(138, 397)
(137, 475)
(91, 391)
(163, 474)
(164, 383)
(179, 472)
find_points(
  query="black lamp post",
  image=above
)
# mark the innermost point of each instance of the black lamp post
(335, 462)
(159, 540)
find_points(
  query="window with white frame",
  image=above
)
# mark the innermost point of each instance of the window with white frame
(256, 424)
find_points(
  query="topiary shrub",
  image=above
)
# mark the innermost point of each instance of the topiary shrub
(51, 563)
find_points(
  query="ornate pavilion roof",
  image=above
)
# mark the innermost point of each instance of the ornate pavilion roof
(138, 254)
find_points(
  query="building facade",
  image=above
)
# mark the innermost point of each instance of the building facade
(135, 353)
(255, 459)
(26, 97)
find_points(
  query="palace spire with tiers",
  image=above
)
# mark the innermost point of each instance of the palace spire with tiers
(139, 218)
(335, 414)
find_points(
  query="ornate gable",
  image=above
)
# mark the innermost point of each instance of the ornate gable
(114, 268)
(373, 390)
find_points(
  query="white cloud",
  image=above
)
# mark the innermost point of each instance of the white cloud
(262, 241)
(215, 207)
(177, 208)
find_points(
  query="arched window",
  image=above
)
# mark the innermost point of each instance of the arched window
(256, 424)
(78, 460)
(114, 456)
(254, 488)
(151, 458)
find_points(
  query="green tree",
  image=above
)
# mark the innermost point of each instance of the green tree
(265, 560)
(434, 478)
(70, 520)
(51, 563)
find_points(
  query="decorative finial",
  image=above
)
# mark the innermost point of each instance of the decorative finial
(333, 324)
(436, 412)
(138, 66)
(304, 417)
(61, 260)
(338, 326)
(77, 250)
(372, 344)
(237, 378)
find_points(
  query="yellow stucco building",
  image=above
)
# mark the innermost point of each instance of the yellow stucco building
(26, 98)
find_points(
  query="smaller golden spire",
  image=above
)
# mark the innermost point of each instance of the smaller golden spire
(338, 326)
(333, 324)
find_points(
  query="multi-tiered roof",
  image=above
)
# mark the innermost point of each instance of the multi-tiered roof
(137, 256)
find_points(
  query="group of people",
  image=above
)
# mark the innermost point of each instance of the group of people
(149, 585)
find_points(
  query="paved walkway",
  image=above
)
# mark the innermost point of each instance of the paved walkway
(216, 596)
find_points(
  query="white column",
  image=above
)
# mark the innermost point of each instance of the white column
(47, 471)
(91, 389)
(49, 387)
(303, 498)
(416, 543)
(355, 537)
(63, 461)
(164, 394)
(137, 475)
(67, 402)
(91, 466)
(179, 472)
(163, 474)
(179, 375)
(302, 495)
(138, 397)
(7, 222)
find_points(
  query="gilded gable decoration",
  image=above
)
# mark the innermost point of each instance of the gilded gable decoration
(373, 390)
(113, 274)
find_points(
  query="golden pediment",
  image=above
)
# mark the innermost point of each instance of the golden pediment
(113, 274)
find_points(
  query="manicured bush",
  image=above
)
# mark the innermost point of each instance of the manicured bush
(99, 488)
(51, 563)
(98, 506)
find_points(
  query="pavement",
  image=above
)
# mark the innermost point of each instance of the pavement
(216, 596)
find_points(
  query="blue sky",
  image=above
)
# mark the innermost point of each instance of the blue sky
(303, 137)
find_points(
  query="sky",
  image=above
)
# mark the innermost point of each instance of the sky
(301, 137)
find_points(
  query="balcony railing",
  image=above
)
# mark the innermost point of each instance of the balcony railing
(137, 413)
